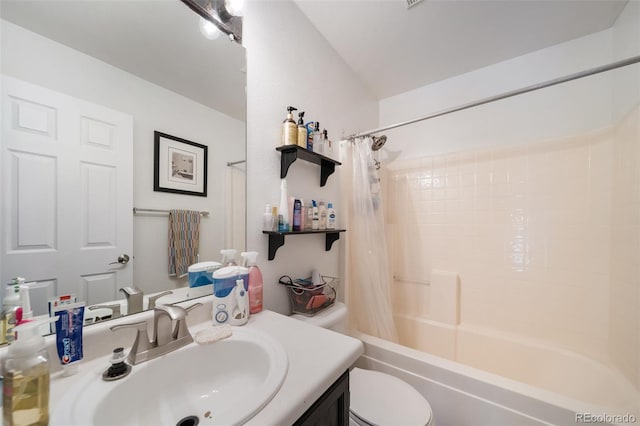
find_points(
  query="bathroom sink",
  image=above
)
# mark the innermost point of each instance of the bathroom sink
(222, 383)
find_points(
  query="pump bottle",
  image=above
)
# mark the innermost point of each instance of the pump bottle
(10, 305)
(25, 368)
(289, 129)
(302, 131)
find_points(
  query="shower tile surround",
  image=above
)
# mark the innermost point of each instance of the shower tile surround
(545, 238)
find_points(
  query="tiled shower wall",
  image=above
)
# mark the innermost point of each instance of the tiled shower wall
(544, 238)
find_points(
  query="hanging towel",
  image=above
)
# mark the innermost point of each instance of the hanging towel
(184, 240)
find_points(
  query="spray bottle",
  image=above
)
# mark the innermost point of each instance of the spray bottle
(228, 257)
(255, 281)
(25, 368)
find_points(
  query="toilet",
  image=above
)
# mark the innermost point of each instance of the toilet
(377, 399)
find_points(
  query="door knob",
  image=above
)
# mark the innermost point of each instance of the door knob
(123, 259)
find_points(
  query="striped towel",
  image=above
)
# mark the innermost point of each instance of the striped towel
(184, 239)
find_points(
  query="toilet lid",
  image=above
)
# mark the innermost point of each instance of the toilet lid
(381, 399)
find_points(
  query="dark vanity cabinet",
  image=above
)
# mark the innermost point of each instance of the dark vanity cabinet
(332, 408)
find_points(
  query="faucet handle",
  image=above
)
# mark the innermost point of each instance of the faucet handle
(152, 299)
(181, 329)
(141, 343)
(115, 309)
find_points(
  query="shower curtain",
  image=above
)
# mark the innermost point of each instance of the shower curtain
(367, 278)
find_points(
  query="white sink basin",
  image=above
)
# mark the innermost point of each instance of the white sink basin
(222, 383)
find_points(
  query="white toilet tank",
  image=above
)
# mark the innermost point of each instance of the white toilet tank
(334, 318)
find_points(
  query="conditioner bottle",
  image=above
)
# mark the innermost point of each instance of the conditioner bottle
(289, 129)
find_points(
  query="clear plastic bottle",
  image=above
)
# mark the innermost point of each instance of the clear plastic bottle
(228, 257)
(10, 304)
(322, 211)
(255, 281)
(25, 368)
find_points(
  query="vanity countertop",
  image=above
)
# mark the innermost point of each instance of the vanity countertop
(316, 358)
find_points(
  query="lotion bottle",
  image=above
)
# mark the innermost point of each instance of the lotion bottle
(289, 129)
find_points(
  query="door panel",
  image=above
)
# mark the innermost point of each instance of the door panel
(66, 192)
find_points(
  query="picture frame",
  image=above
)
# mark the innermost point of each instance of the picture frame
(179, 166)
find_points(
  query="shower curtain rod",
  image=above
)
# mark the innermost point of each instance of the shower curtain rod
(548, 83)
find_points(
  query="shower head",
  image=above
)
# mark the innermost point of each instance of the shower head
(378, 142)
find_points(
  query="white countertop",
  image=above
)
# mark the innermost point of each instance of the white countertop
(317, 357)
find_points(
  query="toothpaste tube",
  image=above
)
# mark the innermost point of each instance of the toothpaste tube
(57, 301)
(69, 332)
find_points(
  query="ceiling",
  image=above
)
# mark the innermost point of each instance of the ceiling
(394, 49)
(157, 40)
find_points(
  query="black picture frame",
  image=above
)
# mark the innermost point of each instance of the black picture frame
(179, 165)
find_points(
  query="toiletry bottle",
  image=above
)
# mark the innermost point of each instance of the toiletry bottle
(322, 211)
(228, 257)
(319, 145)
(317, 136)
(316, 216)
(289, 129)
(255, 281)
(25, 304)
(310, 126)
(308, 223)
(274, 215)
(331, 217)
(267, 219)
(25, 368)
(290, 201)
(302, 131)
(297, 215)
(328, 145)
(10, 305)
(303, 215)
(283, 209)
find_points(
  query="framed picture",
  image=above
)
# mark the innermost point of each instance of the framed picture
(179, 166)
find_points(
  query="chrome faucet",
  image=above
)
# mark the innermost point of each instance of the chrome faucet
(170, 332)
(115, 309)
(152, 299)
(134, 299)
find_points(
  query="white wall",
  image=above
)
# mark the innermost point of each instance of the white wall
(545, 114)
(46, 63)
(290, 63)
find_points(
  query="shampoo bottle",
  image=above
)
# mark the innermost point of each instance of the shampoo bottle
(315, 216)
(302, 131)
(25, 368)
(322, 212)
(317, 138)
(289, 129)
(255, 281)
(267, 219)
(297, 215)
(331, 217)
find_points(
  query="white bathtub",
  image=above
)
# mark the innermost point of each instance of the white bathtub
(491, 380)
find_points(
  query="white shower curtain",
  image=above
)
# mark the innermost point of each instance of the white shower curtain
(367, 278)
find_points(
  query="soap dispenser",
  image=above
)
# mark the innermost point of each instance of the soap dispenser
(289, 128)
(302, 131)
(25, 368)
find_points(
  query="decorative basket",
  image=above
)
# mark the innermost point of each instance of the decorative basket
(307, 298)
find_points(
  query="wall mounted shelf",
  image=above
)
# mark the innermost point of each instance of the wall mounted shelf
(290, 153)
(276, 239)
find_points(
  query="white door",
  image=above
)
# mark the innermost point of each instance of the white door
(67, 194)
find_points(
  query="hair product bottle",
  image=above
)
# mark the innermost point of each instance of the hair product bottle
(289, 129)
(302, 131)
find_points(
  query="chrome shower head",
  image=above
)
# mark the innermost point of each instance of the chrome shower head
(378, 142)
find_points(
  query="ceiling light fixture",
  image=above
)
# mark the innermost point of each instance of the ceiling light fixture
(221, 14)
(208, 30)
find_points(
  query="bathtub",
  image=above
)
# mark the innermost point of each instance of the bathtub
(490, 379)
